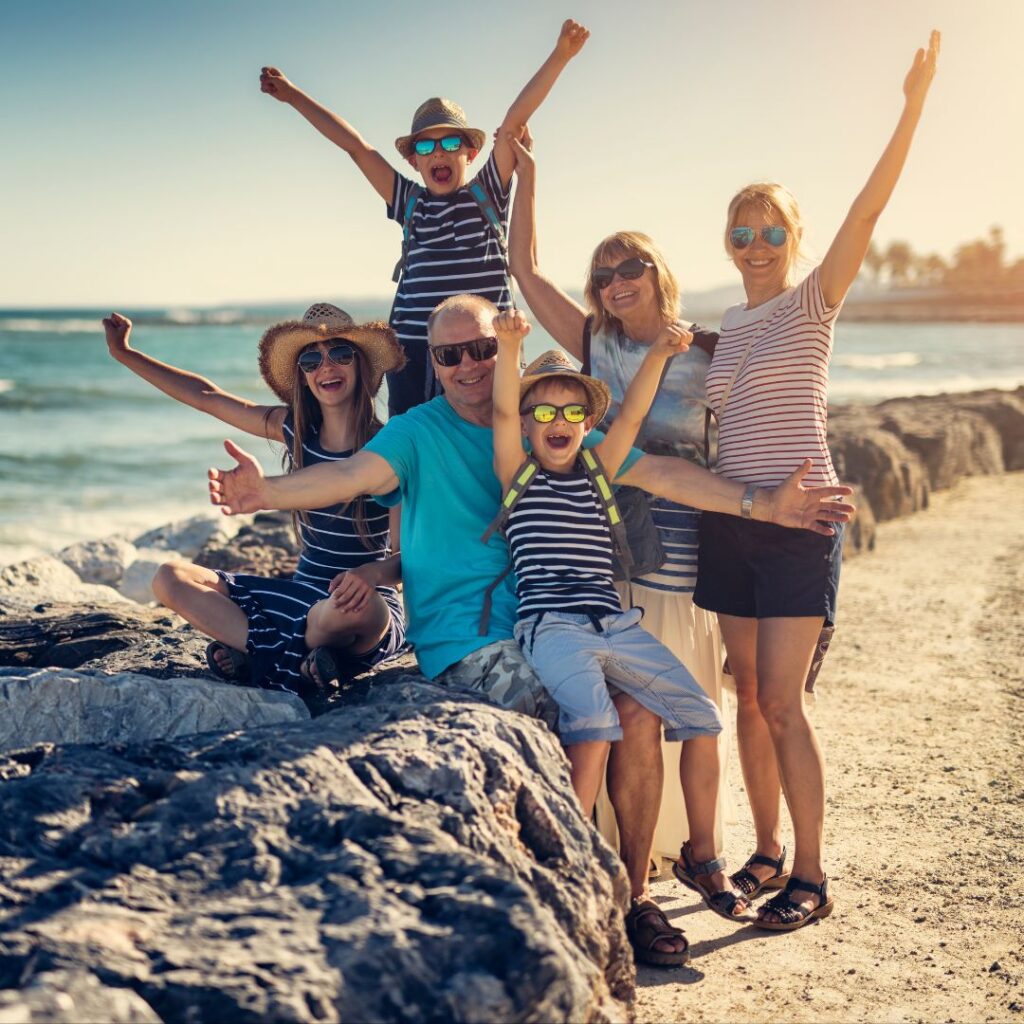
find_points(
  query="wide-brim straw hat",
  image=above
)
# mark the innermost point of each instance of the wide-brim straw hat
(438, 112)
(554, 364)
(281, 344)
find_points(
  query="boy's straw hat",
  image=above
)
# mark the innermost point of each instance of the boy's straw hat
(281, 344)
(438, 112)
(555, 364)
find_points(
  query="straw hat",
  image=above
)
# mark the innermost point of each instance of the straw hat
(281, 344)
(556, 364)
(438, 112)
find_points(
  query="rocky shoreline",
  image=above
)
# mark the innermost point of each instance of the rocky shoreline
(211, 852)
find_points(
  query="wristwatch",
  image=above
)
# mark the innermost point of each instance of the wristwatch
(747, 501)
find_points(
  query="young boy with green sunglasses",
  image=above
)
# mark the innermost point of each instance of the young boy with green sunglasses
(453, 229)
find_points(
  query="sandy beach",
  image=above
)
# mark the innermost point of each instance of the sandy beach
(920, 715)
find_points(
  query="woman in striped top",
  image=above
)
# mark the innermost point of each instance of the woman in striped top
(340, 613)
(773, 590)
(631, 296)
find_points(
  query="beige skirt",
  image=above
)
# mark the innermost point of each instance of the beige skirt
(693, 636)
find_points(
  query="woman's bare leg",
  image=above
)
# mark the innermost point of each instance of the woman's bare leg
(200, 597)
(754, 741)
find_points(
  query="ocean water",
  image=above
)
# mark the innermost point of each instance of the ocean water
(88, 449)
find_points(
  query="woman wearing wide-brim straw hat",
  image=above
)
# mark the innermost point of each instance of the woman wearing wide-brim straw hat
(339, 614)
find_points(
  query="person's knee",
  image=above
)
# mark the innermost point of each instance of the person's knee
(636, 720)
(781, 713)
(326, 623)
(167, 582)
(746, 689)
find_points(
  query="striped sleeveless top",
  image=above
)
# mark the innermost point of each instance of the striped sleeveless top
(561, 548)
(777, 412)
(331, 541)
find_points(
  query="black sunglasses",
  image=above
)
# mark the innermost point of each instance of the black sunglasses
(342, 354)
(628, 270)
(479, 349)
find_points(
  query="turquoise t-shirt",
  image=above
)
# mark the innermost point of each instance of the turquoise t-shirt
(449, 496)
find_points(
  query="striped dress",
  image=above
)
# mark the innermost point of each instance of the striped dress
(452, 251)
(561, 547)
(777, 412)
(277, 608)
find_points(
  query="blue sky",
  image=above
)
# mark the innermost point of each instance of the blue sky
(141, 164)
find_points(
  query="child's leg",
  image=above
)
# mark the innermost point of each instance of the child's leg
(200, 597)
(587, 760)
(328, 626)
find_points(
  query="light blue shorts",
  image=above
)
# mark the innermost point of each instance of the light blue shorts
(577, 656)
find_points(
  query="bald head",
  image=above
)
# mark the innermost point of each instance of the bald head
(459, 307)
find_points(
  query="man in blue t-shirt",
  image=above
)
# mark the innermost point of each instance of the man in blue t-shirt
(436, 459)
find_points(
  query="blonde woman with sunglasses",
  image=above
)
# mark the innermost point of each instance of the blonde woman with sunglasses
(773, 590)
(339, 614)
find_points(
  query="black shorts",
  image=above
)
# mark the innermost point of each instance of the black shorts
(758, 570)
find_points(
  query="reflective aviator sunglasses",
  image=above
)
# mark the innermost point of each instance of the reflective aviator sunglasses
(628, 270)
(343, 354)
(547, 413)
(740, 238)
(479, 349)
(450, 144)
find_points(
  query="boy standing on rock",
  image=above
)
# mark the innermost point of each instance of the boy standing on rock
(453, 230)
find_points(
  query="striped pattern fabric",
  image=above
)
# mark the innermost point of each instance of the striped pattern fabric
(674, 426)
(277, 608)
(452, 251)
(776, 415)
(561, 548)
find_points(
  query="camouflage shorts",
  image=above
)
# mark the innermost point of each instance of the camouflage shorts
(500, 672)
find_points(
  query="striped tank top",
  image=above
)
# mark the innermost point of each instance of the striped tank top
(561, 548)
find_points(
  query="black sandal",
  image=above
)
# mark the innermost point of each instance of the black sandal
(750, 885)
(794, 915)
(722, 901)
(320, 669)
(647, 924)
(239, 662)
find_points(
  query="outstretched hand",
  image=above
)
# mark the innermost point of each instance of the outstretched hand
(922, 71)
(273, 83)
(571, 38)
(511, 327)
(809, 508)
(240, 489)
(118, 329)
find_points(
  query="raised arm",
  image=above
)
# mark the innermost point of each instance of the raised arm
(846, 254)
(246, 489)
(636, 403)
(377, 171)
(570, 41)
(559, 315)
(190, 388)
(510, 328)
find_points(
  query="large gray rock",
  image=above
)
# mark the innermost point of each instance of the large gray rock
(43, 579)
(188, 536)
(417, 858)
(99, 561)
(73, 997)
(72, 706)
(137, 582)
(265, 547)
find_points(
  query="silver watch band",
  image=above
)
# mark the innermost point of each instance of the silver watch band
(747, 501)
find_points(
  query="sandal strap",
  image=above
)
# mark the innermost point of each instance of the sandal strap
(705, 867)
(760, 858)
(745, 881)
(820, 890)
(642, 909)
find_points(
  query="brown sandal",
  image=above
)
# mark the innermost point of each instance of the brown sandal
(647, 924)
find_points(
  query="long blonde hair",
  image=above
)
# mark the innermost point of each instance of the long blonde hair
(307, 415)
(773, 199)
(625, 245)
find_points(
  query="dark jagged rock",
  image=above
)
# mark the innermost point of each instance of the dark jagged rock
(420, 857)
(266, 547)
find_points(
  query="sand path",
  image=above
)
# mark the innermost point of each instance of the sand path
(920, 715)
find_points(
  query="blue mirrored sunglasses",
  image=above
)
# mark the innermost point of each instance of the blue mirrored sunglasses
(740, 238)
(450, 144)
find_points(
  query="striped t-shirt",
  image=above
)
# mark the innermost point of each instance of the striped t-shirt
(561, 547)
(776, 414)
(452, 251)
(331, 542)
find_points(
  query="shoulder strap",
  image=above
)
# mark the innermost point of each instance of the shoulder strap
(482, 199)
(415, 192)
(605, 494)
(588, 327)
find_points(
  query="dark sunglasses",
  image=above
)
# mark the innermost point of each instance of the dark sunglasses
(450, 144)
(628, 270)
(740, 238)
(342, 354)
(479, 349)
(546, 413)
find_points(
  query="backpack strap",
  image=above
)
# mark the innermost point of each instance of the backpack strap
(415, 193)
(522, 479)
(483, 199)
(598, 477)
